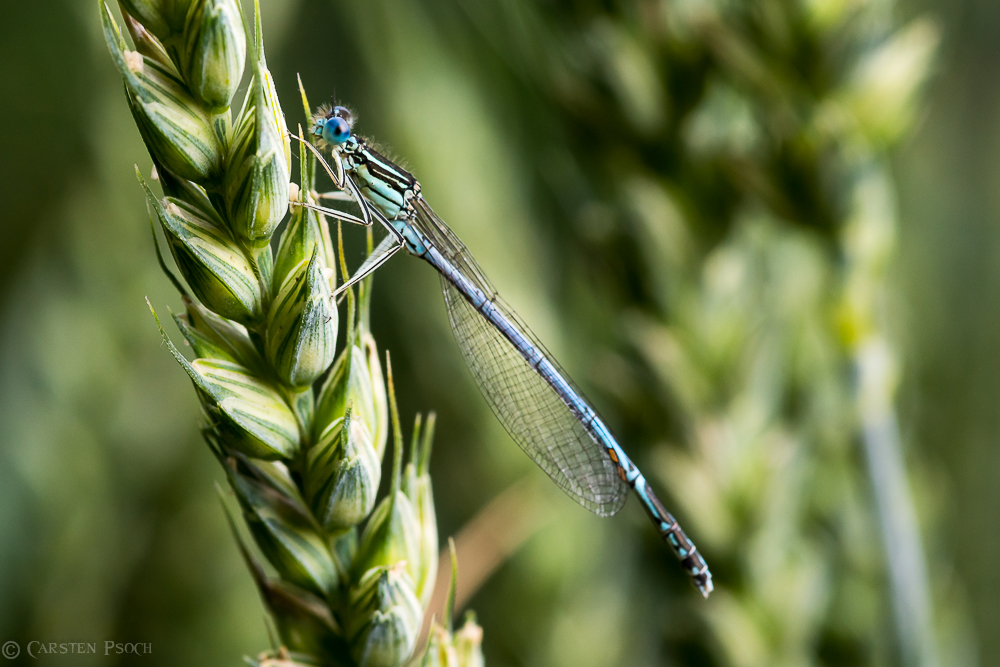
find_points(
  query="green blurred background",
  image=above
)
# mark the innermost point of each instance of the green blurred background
(110, 527)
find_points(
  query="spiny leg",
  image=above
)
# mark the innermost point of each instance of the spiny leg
(337, 196)
(389, 246)
(338, 181)
(334, 213)
(356, 194)
(379, 256)
(385, 223)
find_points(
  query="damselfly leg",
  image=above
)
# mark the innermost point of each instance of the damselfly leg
(338, 178)
(337, 196)
(389, 246)
(334, 213)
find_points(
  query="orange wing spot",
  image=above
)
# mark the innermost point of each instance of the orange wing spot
(613, 455)
(621, 473)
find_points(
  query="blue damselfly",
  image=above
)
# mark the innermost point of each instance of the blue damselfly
(530, 394)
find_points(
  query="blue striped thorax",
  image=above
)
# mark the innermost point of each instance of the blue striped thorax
(387, 186)
(384, 184)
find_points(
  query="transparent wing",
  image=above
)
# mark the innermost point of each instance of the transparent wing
(449, 245)
(537, 418)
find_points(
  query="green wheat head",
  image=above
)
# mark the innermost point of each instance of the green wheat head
(299, 429)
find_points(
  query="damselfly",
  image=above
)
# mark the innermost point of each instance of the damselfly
(530, 394)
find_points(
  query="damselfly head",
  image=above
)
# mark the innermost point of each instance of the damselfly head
(332, 125)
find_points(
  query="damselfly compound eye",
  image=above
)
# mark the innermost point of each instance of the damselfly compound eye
(345, 113)
(336, 131)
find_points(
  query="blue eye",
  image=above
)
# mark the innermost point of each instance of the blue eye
(336, 131)
(345, 113)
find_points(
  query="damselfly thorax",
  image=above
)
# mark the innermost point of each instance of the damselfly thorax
(382, 182)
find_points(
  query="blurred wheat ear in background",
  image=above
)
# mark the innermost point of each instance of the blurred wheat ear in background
(722, 219)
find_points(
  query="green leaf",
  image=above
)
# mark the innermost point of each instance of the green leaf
(151, 14)
(276, 475)
(185, 190)
(380, 402)
(266, 426)
(304, 622)
(305, 232)
(418, 488)
(391, 537)
(146, 42)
